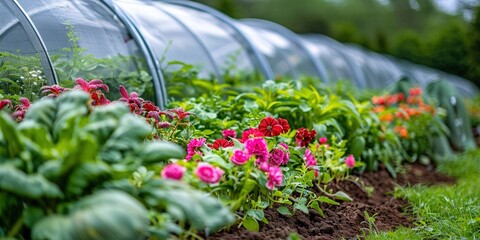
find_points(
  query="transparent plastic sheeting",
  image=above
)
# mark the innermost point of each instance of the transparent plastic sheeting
(86, 40)
(285, 44)
(336, 65)
(21, 71)
(219, 38)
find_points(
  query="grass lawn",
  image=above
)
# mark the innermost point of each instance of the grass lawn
(444, 212)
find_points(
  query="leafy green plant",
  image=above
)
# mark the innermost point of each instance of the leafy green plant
(64, 161)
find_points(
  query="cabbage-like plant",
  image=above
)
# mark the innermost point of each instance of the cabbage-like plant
(71, 172)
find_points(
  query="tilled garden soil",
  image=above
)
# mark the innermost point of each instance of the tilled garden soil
(347, 220)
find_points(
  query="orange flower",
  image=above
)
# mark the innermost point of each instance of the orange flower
(378, 109)
(402, 115)
(386, 117)
(402, 131)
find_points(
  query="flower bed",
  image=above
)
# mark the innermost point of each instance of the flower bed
(276, 149)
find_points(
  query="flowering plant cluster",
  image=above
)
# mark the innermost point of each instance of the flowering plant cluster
(262, 165)
(411, 119)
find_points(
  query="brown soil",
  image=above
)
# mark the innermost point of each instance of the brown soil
(347, 220)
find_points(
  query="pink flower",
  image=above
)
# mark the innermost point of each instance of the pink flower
(322, 140)
(173, 171)
(208, 173)
(275, 177)
(194, 147)
(251, 133)
(286, 157)
(277, 157)
(239, 157)
(350, 161)
(309, 159)
(229, 133)
(257, 147)
(262, 164)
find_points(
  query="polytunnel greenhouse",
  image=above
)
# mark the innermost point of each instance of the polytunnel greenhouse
(140, 44)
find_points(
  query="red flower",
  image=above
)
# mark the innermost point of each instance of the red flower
(133, 101)
(221, 143)
(270, 127)
(251, 133)
(304, 137)
(285, 125)
(54, 90)
(4, 103)
(378, 100)
(92, 87)
(415, 91)
(181, 114)
(21, 109)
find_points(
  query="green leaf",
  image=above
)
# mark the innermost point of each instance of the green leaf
(11, 136)
(103, 215)
(327, 200)
(256, 213)
(154, 152)
(85, 175)
(208, 211)
(250, 224)
(30, 186)
(305, 107)
(315, 205)
(31, 215)
(130, 132)
(343, 196)
(301, 207)
(284, 210)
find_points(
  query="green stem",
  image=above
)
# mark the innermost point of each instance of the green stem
(16, 227)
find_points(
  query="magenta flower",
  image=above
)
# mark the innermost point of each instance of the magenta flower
(277, 157)
(4, 103)
(229, 133)
(286, 157)
(208, 173)
(257, 147)
(322, 140)
(194, 147)
(275, 177)
(350, 161)
(173, 171)
(239, 157)
(309, 159)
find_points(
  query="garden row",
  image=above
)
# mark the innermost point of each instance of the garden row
(76, 165)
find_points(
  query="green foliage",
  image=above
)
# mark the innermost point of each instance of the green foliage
(445, 212)
(57, 163)
(20, 76)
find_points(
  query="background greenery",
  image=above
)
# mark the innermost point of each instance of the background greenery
(415, 30)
